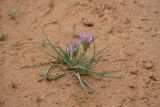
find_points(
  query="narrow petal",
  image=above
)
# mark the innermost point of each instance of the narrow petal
(82, 36)
(90, 38)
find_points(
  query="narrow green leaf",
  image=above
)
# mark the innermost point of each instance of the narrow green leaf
(102, 50)
(80, 80)
(88, 85)
(51, 55)
(40, 64)
(52, 45)
(55, 77)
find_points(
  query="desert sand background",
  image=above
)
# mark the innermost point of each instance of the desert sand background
(131, 26)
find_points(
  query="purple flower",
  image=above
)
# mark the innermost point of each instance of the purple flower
(73, 49)
(86, 40)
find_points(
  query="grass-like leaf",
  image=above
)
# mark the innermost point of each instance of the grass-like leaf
(80, 80)
(75, 61)
(48, 76)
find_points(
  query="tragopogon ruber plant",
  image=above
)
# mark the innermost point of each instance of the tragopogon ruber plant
(73, 60)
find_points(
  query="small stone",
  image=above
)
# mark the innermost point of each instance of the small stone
(111, 30)
(142, 43)
(129, 53)
(88, 23)
(54, 22)
(131, 86)
(147, 64)
(144, 19)
(2, 36)
(134, 72)
(153, 78)
(30, 38)
(155, 35)
(103, 87)
(127, 21)
(51, 3)
(142, 98)
(13, 85)
(156, 12)
(2, 101)
(39, 99)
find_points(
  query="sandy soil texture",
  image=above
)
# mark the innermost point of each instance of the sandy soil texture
(131, 26)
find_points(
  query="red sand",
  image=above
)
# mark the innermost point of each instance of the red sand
(132, 26)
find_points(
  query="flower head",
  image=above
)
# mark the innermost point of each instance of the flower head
(86, 40)
(73, 48)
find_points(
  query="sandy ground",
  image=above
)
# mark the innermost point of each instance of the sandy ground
(131, 26)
